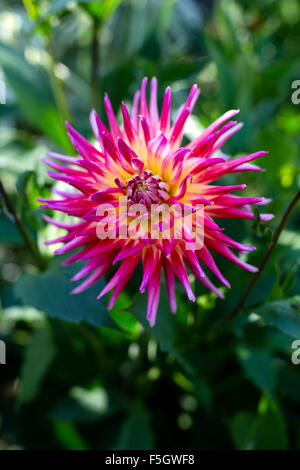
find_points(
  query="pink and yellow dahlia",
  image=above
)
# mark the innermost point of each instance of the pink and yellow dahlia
(144, 163)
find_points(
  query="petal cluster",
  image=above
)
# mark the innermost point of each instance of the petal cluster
(143, 162)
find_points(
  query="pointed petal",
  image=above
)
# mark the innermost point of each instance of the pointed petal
(113, 124)
(166, 111)
(170, 281)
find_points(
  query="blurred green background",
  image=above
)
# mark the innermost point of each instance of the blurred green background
(77, 376)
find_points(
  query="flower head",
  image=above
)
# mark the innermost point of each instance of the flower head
(131, 190)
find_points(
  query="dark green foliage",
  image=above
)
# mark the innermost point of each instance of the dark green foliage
(78, 376)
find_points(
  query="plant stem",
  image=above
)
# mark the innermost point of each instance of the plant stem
(57, 86)
(264, 261)
(95, 66)
(29, 241)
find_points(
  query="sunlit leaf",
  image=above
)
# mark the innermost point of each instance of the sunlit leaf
(32, 89)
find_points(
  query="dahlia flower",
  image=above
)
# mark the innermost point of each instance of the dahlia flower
(144, 163)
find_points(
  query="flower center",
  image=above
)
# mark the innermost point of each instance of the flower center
(145, 188)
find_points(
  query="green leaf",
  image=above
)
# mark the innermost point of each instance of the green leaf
(126, 321)
(22, 183)
(32, 90)
(270, 429)
(18, 154)
(259, 368)
(169, 331)
(289, 381)
(134, 22)
(38, 357)
(136, 433)
(283, 315)
(69, 436)
(49, 292)
(59, 5)
(242, 428)
(28, 191)
(31, 9)
(278, 145)
(267, 431)
(9, 234)
(103, 9)
(109, 6)
(85, 405)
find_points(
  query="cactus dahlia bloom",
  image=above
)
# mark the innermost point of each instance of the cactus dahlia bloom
(145, 163)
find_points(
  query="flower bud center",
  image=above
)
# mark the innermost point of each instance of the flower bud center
(147, 189)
